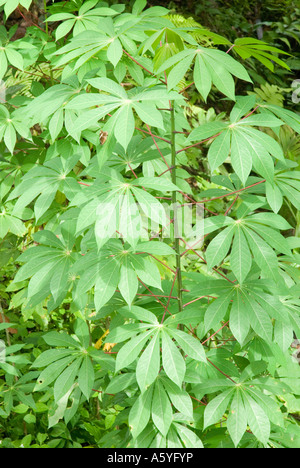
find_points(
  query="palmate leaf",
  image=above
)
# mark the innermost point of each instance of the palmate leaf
(289, 117)
(50, 101)
(48, 265)
(248, 148)
(251, 236)
(115, 267)
(86, 20)
(247, 47)
(44, 182)
(10, 126)
(119, 207)
(11, 5)
(286, 184)
(68, 364)
(211, 67)
(10, 223)
(122, 121)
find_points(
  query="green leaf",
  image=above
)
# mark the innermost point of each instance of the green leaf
(190, 345)
(130, 351)
(86, 377)
(124, 332)
(257, 419)
(243, 105)
(178, 72)
(124, 125)
(219, 247)
(179, 397)
(237, 418)
(239, 322)
(202, 77)
(263, 254)
(262, 161)
(115, 52)
(240, 257)
(148, 113)
(173, 362)
(140, 412)
(216, 408)
(221, 78)
(109, 86)
(206, 131)
(188, 437)
(219, 150)
(60, 339)
(106, 282)
(66, 379)
(241, 158)
(138, 6)
(128, 283)
(121, 382)
(139, 313)
(259, 319)
(161, 409)
(274, 197)
(261, 120)
(155, 248)
(146, 271)
(130, 223)
(216, 311)
(49, 356)
(51, 372)
(149, 363)
(162, 184)
(56, 123)
(150, 206)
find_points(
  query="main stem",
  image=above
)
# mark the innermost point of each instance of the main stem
(46, 15)
(174, 216)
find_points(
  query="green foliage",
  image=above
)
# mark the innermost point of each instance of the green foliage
(121, 330)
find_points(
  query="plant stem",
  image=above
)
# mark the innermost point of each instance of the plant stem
(174, 217)
(45, 11)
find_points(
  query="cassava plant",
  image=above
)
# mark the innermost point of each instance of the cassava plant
(177, 306)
